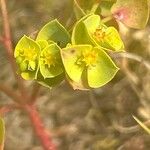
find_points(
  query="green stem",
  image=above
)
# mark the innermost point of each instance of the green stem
(107, 19)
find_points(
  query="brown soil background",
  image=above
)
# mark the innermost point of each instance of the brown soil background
(79, 120)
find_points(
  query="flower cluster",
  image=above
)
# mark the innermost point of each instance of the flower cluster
(80, 58)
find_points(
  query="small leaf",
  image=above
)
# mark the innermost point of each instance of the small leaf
(50, 61)
(2, 134)
(142, 125)
(79, 30)
(110, 39)
(92, 22)
(27, 53)
(133, 13)
(43, 44)
(50, 82)
(107, 37)
(54, 31)
(77, 35)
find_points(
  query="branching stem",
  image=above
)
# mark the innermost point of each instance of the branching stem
(36, 121)
(7, 41)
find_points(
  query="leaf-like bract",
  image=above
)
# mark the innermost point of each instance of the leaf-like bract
(90, 30)
(50, 61)
(133, 13)
(103, 71)
(87, 67)
(54, 31)
(27, 53)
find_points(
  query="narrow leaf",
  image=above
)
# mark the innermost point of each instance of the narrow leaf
(142, 125)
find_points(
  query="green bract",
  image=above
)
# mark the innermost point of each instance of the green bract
(27, 54)
(87, 66)
(90, 30)
(49, 82)
(40, 59)
(50, 61)
(51, 71)
(54, 31)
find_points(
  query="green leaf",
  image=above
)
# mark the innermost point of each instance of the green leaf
(27, 53)
(2, 134)
(77, 35)
(50, 82)
(43, 44)
(92, 22)
(107, 37)
(50, 61)
(54, 31)
(103, 71)
(133, 13)
(111, 39)
(80, 30)
(142, 125)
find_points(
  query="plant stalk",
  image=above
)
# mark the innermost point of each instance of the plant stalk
(38, 126)
(7, 41)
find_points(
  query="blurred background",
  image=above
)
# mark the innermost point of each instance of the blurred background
(100, 119)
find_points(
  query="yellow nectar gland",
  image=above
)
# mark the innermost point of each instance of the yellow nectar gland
(48, 59)
(29, 55)
(90, 57)
(99, 34)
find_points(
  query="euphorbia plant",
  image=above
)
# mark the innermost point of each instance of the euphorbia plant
(80, 56)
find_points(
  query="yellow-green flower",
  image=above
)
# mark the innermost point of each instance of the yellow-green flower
(27, 53)
(87, 66)
(90, 30)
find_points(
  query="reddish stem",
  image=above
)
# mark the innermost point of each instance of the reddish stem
(34, 94)
(10, 93)
(43, 136)
(38, 126)
(8, 108)
(7, 41)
